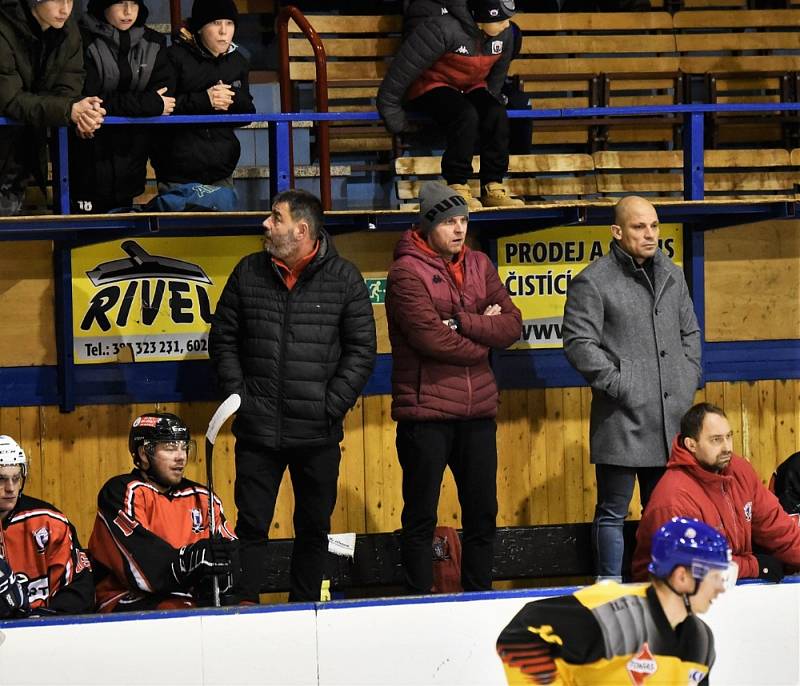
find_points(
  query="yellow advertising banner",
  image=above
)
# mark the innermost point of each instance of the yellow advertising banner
(150, 299)
(537, 267)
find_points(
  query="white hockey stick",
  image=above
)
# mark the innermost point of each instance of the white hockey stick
(224, 412)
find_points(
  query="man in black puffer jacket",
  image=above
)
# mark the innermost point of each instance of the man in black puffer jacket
(294, 335)
(451, 67)
(211, 77)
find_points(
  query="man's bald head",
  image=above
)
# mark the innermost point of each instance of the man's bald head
(628, 204)
(635, 227)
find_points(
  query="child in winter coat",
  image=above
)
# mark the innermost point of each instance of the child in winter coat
(451, 68)
(211, 77)
(126, 66)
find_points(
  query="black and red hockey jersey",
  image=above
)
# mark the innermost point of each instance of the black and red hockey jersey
(42, 547)
(138, 534)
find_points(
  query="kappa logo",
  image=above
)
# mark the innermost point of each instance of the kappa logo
(444, 10)
(497, 47)
(748, 511)
(41, 537)
(641, 666)
(197, 520)
(462, 50)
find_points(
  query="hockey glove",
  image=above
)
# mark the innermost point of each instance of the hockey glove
(197, 561)
(769, 568)
(13, 592)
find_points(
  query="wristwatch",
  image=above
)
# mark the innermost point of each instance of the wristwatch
(454, 324)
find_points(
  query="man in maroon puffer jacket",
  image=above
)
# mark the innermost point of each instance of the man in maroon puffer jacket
(446, 308)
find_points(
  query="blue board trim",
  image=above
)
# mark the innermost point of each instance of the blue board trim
(515, 369)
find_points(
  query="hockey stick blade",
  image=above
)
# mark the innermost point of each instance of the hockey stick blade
(224, 412)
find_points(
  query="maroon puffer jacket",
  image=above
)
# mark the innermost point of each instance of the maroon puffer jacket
(439, 373)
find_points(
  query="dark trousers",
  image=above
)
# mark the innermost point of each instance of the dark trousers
(614, 492)
(314, 473)
(469, 448)
(474, 121)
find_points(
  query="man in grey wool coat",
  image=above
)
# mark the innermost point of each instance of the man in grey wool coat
(631, 332)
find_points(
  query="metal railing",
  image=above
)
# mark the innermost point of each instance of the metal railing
(280, 140)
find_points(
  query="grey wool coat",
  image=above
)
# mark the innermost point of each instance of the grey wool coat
(638, 347)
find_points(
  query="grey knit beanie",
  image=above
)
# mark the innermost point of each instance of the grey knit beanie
(437, 202)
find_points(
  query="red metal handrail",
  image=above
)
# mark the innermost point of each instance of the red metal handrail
(320, 92)
(175, 18)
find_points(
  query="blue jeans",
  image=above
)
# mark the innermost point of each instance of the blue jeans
(614, 491)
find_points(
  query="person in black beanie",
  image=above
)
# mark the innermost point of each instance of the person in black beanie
(211, 77)
(126, 66)
(451, 67)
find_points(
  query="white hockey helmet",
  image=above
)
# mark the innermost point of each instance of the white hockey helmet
(11, 454)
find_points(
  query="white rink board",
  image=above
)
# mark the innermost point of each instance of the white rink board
(443, 640)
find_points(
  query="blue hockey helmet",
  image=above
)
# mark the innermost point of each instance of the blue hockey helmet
(689, 543)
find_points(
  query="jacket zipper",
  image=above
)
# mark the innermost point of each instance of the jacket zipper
(279, 398)
(463, 306)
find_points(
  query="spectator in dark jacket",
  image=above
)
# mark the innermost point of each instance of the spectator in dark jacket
(126, 66)
(785, 484)
(294, 335)
(451, 68)
(211, 77)
(446, 308)
(41, 77)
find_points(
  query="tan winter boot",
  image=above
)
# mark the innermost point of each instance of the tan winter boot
(496, 195)
(464, 191)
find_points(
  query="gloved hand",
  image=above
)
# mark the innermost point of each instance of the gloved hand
(222, 549)
(769, 568)
(13, 592)
(197, 561)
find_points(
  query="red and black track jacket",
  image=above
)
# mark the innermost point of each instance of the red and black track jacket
(139, 532)
(41, 545)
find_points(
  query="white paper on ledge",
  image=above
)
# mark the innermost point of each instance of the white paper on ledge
(342, 544)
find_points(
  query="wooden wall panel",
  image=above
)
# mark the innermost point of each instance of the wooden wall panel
(543, 477)
(752, 278)
(27, 336)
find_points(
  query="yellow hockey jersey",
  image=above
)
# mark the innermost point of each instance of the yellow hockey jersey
(604, 635)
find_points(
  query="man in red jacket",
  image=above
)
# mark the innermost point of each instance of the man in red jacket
(446, 309)
(706, 480)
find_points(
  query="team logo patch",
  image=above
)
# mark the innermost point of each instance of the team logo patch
(497, 47)
(145, 421)
(83, 562)
(41, 537)
(494, 13)
(641, 666)
(197, 521)
(748, 511)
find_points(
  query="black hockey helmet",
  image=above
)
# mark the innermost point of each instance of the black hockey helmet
(156, 427)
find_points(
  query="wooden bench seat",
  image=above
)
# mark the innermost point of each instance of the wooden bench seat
(735, 174)
(599, 59)
(550, 176)
(746, 56)
(358, 50)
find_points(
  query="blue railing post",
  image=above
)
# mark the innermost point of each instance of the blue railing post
(65, 354)
(693, 163)
(279, 157)
(61, 172)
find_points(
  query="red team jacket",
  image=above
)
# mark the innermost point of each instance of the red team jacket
(138, 533)
(733, 501)
(41, 545)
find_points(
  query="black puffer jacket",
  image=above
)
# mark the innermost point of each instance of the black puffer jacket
(125, 69)
(202, 152)
(299, 358)
(442, 50)
(41, 76)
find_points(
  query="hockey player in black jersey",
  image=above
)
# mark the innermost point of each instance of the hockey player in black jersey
(614, 634)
